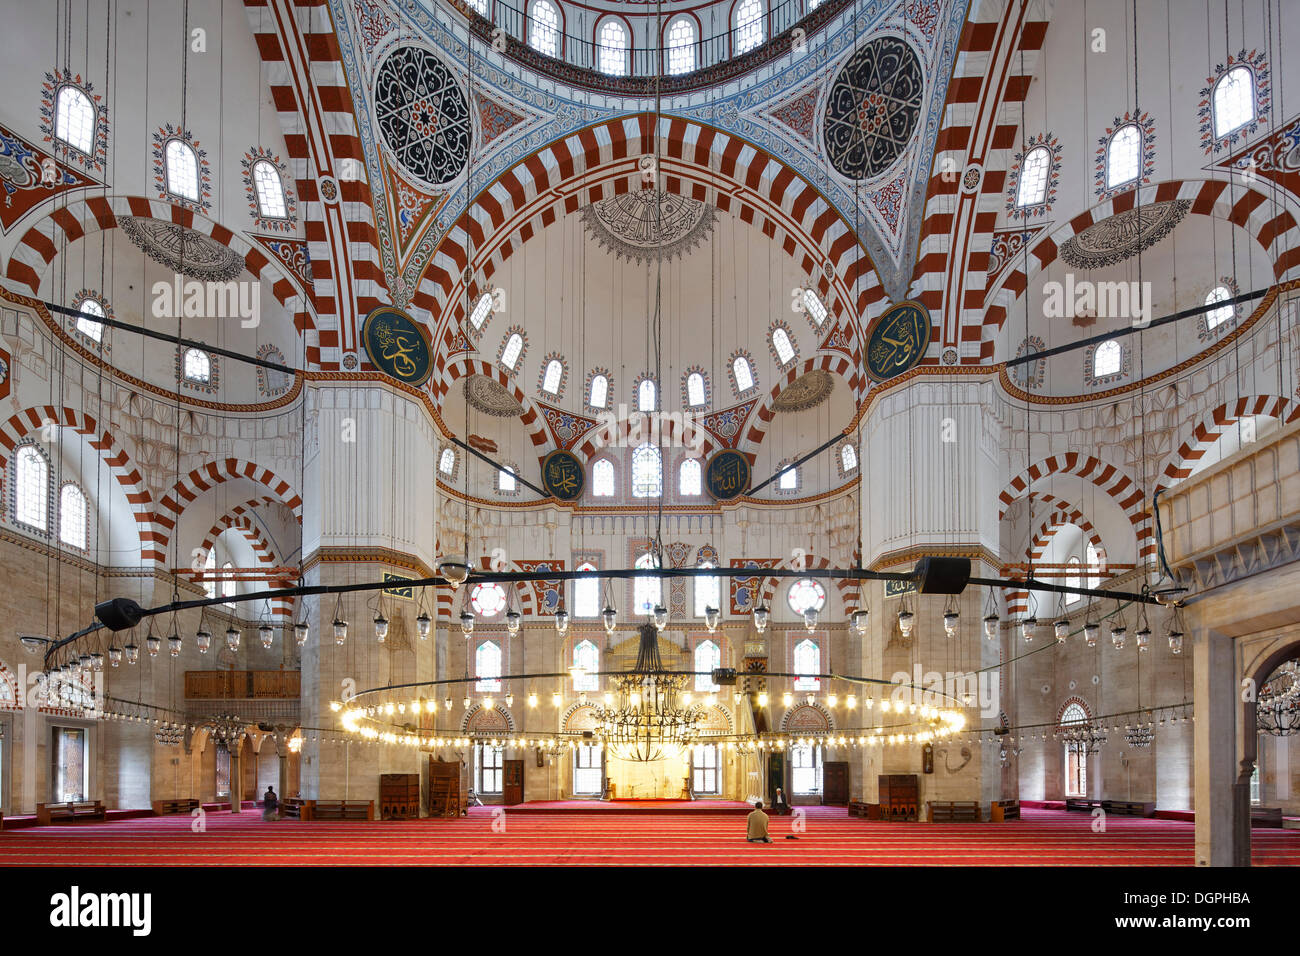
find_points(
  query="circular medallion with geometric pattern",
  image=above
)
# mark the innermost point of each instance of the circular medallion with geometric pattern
(873, 107)
(423, 115)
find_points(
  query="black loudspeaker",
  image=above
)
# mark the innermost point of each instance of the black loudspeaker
(724, 676)
(117, 614)
(942, 575)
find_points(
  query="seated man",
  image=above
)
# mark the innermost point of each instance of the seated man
(781, 806)
(270, 805)
(756, 823)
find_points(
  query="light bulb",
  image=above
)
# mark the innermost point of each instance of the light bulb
(513, 621)
(810, 619)
(661, 616)
(906, 621)
(1027, 625)
(173, 647)
(1062, 628)
(465, 702)
(154, 644)
(787, 699)
(466, 623)
(202, 640)
(1118, 636)
(832, 700)
(761, 616)
(133, 653)
(610, 617)
(487, 703)
(851, 702)
(97, 661)
(381, 627)
(232, 638)
(423, 625)
(561, 621)
(267, 634)
(1143, 635)
(1176, 641)
(859, 620)
(340, 630)
(711, 616)
(556, 699)
(447, 703)
(532, 699)
(991, 626)
(300, 632)
(1090, 631)
(510, 700)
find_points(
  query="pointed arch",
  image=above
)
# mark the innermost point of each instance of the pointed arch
(1214, 425)
(466, 365)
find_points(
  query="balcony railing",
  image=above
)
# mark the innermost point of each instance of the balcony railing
(242, 685)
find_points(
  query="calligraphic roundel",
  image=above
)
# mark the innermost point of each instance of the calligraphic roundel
(562, 476)
(726, 476)
(397, 346)
(897, 340)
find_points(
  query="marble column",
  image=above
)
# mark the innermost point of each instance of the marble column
(1215, 747)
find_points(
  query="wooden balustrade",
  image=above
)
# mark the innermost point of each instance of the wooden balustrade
(242, 685)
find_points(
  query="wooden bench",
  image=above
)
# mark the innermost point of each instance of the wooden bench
(1081, 803)
(858, 808)
(1266, 816)
(48, 813)
(343, 810)
(162, 808)
(953, 811)
(296, 808)
(1003, 810)
(1129, 808)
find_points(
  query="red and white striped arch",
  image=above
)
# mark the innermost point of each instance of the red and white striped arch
(997, 55)
(1121, 488)
(240, 518)
(1275, 229)
(120, 465)
(303, 68)
(837, 363)
(1211, 428)
(810, 562)
(465, 365)
(601, 161)
(1062, 513)
(81, 217)
(203, 479)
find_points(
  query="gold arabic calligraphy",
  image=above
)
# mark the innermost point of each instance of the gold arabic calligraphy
(897, 344)
(397, 348)
(728, 475)
(562, 476)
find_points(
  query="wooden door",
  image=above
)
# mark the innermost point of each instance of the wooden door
(835, 783)
(776, 778)
(512, 782)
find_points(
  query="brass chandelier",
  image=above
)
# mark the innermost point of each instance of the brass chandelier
(648, 716)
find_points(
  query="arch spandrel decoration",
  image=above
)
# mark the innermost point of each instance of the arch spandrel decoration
(716, 720)
(579, 718)
(481, 720)
(807, 719)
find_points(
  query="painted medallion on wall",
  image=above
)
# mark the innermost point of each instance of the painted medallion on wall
(897, 340)
(562, 476)
(727, 475)
(397, 346)
(873, 107)
(423, 115)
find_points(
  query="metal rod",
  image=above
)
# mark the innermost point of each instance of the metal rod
(795, 464)
(497, 465)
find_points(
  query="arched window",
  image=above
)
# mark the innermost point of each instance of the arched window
(1033, 177)
(1073, 579)
(554, 373)
(689, 478)
(695, 392)
(74, 119)
(587, 656)
(506, 480)
(1108, 359)
(645, 395)
(806, 593)
(1092, 557)
(32, 488)
(708, 592)
(807, 665)
(681, 46)
(1234, 101)
(90, 311)
(814, 307)
(487, 667)
(1123, 156)
(544, 28)
(228, 585)
(209, 579)
(646, 592)
(602, 478)
(488, 600)
(270, 191)
(782, 345)
(198, 366)
(848, 458)
(743, 373)
(514, 347)
(749, 25)
(1216, 317)
(72, 517)
(1076, 758)
(611, 47)
(482, 309)
(447, 461)
(647, 472)
(708, 658)
(182, 170)
(599, 391)
(788, 480)
(586, 593)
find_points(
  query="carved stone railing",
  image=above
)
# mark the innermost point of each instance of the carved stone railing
(1237, 518)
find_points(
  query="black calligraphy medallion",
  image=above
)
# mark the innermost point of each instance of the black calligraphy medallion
(873, 107)
(563, 477)
(897, 340)
(726, 477)
(397, 346)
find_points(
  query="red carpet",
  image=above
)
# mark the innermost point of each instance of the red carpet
(1044, 837)
(571, 807)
